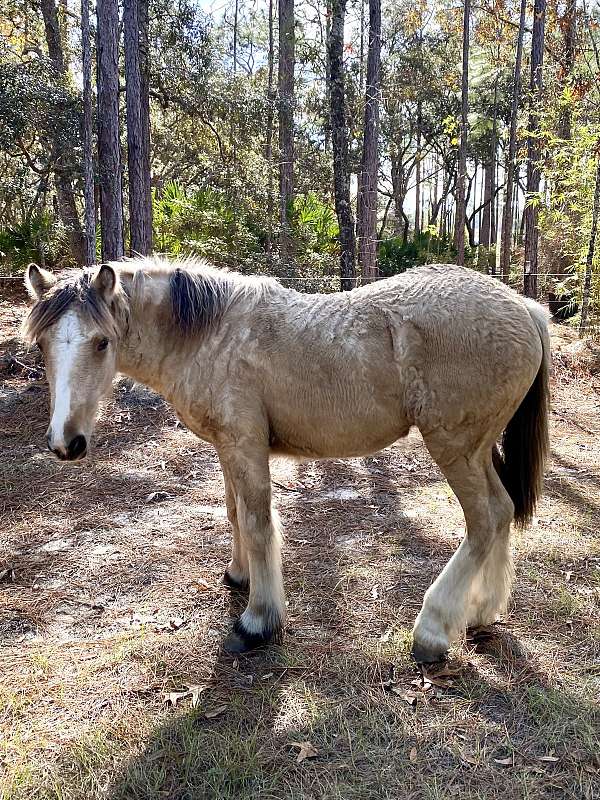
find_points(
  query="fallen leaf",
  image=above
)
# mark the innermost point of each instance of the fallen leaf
(157, 497)
(505, 762)
(305, 750)
(444, 672)
(175, 623)
(422, 684)
(215, 712)
(196, 691)
(172, 698)
(199, 585)
(438, 679)
(409, 697)
(412, 756)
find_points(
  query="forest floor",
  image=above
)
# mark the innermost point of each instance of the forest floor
(112, 683)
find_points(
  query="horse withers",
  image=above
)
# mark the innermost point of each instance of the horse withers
(259, 370)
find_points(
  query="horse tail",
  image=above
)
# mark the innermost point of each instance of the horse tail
(525, 442)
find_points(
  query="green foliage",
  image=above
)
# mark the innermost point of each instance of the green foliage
(35, 239)
(314, 223)
(205, 223)
(396, 256)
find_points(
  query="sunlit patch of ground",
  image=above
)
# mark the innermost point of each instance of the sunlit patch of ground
(112, 611)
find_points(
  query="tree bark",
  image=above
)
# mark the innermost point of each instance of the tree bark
(507, 212)
(286, 125)
(461, 210)
(569, 27)
(534, 154)
(417, 230)
(339, 139)
(587, 283)
(87, 137)
(60, 156)
(269, 134)
(367, 185)
(109, 146)
(486, 218)
(138, 134)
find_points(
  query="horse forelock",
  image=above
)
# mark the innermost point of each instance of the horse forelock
(78, 294)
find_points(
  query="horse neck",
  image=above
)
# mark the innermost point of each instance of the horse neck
(151, 352)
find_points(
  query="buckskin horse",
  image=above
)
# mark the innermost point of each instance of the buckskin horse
(257, 370)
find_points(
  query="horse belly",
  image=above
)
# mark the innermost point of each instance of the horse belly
(332, 433)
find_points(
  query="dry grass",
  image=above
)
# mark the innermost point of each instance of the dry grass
(110, 603)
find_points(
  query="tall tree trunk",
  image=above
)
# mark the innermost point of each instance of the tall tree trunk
(144, 45)
(286, 125)
(339, 139)
(87, 138)
(269, 135)
(461, 210)
(569, 27)
(417, 230)
(534, 154)
(109, 146)
(485, 231)
(507, 213)
(60, 155)
(563, 261)
(235, 35)
(398, 192)
(587, 283)
(138, 134)
(367, 185)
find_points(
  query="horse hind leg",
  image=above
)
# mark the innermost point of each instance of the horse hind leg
(475, 583)
(491, 587)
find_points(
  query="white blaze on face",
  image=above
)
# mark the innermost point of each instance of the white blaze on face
(65, 348)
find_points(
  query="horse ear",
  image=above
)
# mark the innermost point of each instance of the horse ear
(105, 282)
(38, 281)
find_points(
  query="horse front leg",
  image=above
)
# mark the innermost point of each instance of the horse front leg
(237, 575)
(258, 526)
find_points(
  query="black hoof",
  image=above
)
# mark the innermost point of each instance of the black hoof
(238, 586)
(424, 656)
(240, 641)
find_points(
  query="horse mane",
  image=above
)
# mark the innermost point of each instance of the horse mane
(111, 319)
(198, 299)
(198, 295)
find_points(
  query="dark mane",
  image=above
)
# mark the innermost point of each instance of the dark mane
(74, 291)
(198, 299)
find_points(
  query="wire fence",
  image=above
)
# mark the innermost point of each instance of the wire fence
(331, 283)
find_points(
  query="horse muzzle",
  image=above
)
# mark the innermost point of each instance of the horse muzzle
(74, 451)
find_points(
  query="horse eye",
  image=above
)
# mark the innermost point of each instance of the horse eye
(102, 344)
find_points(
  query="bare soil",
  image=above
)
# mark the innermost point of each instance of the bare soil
(112, 609)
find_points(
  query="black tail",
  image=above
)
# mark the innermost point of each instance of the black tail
(525, 444)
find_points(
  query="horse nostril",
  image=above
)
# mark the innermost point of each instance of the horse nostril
(77, 447)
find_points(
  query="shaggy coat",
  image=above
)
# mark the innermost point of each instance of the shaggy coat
(257, 369)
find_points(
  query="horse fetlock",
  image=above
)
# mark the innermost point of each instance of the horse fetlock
(435, 630)
(430, 640)
(254, 630)
(236, 577)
